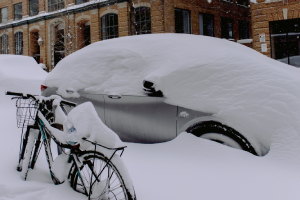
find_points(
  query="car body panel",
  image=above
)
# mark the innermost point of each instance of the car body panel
(141, 119)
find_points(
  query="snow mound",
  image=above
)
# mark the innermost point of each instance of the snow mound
(87, 124)
(20, 74)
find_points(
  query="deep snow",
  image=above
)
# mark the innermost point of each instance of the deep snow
(241, 87)
(184, 168)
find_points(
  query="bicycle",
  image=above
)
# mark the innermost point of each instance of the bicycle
(97, 172)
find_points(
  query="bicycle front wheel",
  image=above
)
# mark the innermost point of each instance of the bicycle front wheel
(99, 178)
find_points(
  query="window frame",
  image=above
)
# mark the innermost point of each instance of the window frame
(242, 25)
(32, 5)
(77, 2)
(1, 15)
(139, 28)
(54, 5)
(106, 26)
(177, 24)
(18, 43)
(223, 28)
(17, 15)
(4, 49)
(203, 19)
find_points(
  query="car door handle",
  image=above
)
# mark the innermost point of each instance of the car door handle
(114, 96)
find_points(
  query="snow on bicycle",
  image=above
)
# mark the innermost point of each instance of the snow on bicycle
(89, 152)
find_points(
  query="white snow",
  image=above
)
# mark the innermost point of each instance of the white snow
(20, 72)
(239, 85)
(184, 168)
(87, 124)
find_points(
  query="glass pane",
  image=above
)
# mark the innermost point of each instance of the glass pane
(137, 15)
(4, 15)
(201, 23)
(143, 14)
(111, 20)
(186, 21)
(178, 21)
(293, 48)
(33, 7)
(230, 30)
(18, 11)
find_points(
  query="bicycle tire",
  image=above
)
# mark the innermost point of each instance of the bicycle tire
(114, 184)
(28, 155)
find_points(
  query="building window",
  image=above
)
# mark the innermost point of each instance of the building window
(54, 5)
(226, 28)
(109, 26)
(206, 23)
(81, 1)
(19, 43)
(243, 2)
(18, 11)
(33, 7)
(4, 15)
(182, 21)
(285, 41)
(59, 46)
(243, 30)
(143, 20)
(4, 44)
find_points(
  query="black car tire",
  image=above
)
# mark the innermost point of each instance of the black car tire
(222, 134)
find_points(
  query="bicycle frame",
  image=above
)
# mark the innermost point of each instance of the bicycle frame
(48, 132)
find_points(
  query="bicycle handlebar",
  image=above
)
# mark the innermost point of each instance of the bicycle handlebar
(68, 103)
(31, 96)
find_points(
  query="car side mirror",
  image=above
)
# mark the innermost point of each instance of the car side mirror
(149, 87)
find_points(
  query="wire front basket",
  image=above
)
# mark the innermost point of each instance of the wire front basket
(26, 112)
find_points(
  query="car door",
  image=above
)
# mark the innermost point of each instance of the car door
(96, 99)
(142, 119)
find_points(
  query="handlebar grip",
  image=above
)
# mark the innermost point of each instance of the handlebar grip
(13, 93)
(68, 103)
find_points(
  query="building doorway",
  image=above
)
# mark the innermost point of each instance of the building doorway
(285, 41)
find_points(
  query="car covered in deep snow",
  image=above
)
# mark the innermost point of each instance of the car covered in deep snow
(150, 88)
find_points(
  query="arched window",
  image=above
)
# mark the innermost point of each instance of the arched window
(59, 45)
(4, 44)
(109, 26)
(19, 43)
(143, 20)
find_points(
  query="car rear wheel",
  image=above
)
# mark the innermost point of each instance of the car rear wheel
(222, 134)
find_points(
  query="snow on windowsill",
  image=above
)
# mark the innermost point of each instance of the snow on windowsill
(244, 41)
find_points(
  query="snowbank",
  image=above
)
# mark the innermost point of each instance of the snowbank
(19, 72)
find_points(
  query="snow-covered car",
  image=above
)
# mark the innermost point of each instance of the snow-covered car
(17, 71)
(150, 88)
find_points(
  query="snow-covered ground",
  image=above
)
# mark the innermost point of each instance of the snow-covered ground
(184, 168)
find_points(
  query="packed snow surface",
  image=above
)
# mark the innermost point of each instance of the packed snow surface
(184, 168)
(241, 87)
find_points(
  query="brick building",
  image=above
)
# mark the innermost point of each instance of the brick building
(276, 29)
(48, 30)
